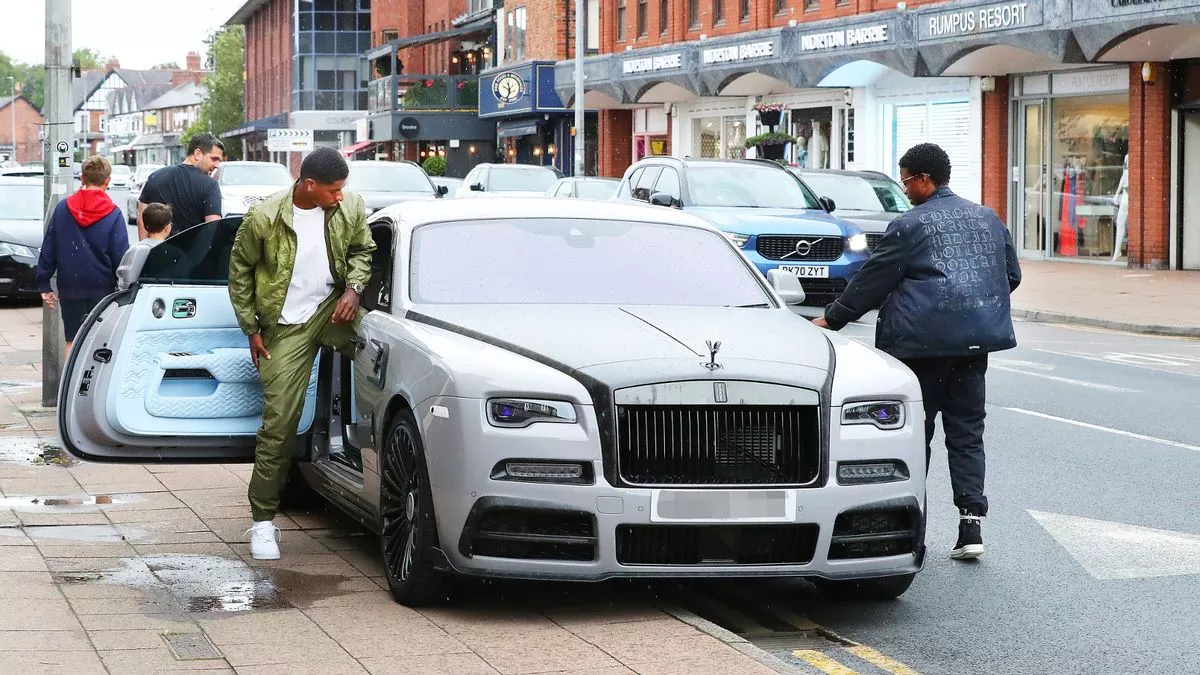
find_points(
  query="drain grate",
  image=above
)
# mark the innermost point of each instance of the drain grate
(191, 646)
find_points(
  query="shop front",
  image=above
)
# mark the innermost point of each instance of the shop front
(461, 138)
(254, 138)
(1070, 134)
(532, 123)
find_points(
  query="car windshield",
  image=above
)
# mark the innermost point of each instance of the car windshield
(387, 177)
(255, 174)
(595, 189)
(855, 193)
(521, 179)
(20, 202)
(746, 185)
(120, 170)
(557, 261)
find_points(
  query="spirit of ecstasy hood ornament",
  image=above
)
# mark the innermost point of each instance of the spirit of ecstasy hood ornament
(713, 348)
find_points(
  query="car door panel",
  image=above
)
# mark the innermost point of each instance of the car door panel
(162, 372)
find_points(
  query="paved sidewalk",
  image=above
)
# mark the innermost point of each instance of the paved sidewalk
(1104, 296)
(138, 569)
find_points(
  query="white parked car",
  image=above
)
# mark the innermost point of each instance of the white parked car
(140, 176)
(122, 176)
(508, 180)
(244, 184)
(539, 393)
(382, 184)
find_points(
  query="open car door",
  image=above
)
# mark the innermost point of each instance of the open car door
(161, 372)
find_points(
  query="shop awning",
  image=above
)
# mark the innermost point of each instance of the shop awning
(517, 128)
(350, 150)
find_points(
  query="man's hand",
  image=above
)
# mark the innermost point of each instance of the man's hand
(820, 322)
(50, 299)
(258, 348)
(347, 307)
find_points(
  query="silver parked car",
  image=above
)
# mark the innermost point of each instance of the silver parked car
(869, 199)
(385, 183)
(140, 176)
(244, 184)
(584, 188)
(515, 409)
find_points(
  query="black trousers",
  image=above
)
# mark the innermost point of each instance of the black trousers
(954, 387)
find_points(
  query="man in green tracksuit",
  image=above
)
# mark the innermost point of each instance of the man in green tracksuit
(298, 266)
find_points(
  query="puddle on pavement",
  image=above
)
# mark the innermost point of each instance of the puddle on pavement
(51, 504)
(36, 451)
(207, 584)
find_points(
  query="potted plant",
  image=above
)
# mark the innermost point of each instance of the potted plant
(769, 113)
(771, 144)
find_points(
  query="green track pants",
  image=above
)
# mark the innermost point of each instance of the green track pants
(284, 379)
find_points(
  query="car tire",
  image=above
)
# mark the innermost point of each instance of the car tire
(408, 527)
(880, 589)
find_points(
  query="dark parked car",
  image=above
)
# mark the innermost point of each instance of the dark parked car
(869, 199)
(20, 236)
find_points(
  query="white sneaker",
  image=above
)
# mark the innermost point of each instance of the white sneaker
(264, 538)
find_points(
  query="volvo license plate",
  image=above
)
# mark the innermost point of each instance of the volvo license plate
(726, 506)
(807, 271)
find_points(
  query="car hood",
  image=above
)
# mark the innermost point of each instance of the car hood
(665, 340)
(378, 200)
(250, 190)
(875, 222)
(772, 221)
(23, 232)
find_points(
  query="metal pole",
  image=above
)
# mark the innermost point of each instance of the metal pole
(12, 107)
(58, 129)
(580, 50)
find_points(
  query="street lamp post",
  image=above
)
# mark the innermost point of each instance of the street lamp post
(580, 134)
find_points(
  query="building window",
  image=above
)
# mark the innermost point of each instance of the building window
(620, 20)
(781, 6)
(664, 16)
(848, 136)
(718, 11)
(745, 10)
(693, 9)
(641, 18)
(389, 35)
(812, 5)
(324, 70)
(514, 36)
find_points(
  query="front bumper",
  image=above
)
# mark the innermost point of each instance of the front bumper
(18, 277)
(597, 531)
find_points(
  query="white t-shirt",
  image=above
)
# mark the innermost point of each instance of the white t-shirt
(311, 279)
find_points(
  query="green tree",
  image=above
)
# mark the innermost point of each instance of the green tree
(222, 109)
(88, 59)
(29, 78)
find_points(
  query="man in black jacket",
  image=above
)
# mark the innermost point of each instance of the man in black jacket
(941, 278)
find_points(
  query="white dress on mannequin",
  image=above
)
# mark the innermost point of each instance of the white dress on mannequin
(1122, 201)
(817, 147)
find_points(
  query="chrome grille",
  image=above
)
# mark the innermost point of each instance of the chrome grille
(873, 240)
(776, 247)
(718, 445)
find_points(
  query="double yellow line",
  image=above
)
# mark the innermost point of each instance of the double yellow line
(826, 664)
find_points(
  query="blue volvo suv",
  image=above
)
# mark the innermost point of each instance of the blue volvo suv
(777, 220)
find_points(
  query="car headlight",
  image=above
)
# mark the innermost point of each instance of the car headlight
(887, 415)
(515, 413)
(739, 240)
(17, 250)
(857, 243)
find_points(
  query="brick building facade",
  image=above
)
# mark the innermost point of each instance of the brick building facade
(19, 116)
(1077, 121)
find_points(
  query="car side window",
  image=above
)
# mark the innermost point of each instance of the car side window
(197, 255)
(482, 178)
(633, 179)
(668, 183)
(566, 189)
(377, 295)
(645, 183)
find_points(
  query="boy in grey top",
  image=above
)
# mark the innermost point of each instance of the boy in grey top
(157, 220)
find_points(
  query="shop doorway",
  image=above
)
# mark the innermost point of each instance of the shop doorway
(1189, 221)
(1032, 199)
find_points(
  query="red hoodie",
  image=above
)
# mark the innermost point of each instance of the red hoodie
(89, 206)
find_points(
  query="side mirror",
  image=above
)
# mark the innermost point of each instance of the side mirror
(442, 190)
(662, 199)
(477, 187)
(786, 285)
(828, 204)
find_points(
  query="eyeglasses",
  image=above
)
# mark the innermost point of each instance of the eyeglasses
(904, 181)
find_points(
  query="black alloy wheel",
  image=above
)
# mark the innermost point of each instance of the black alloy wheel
(408, 526)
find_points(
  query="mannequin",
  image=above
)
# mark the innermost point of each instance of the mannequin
(817, 147)
(1121, 199)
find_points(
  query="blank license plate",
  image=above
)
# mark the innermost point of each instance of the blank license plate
(807, 271)
(753, 506)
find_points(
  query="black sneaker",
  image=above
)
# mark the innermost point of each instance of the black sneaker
(970, 537)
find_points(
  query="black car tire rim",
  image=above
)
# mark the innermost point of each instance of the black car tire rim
(400, 507)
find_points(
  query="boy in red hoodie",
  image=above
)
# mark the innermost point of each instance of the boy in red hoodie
(85, 240)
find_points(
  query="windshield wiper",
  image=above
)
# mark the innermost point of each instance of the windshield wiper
(757, 305)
